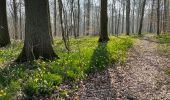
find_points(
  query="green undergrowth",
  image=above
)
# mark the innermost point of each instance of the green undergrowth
(164, 48)
(42, 79)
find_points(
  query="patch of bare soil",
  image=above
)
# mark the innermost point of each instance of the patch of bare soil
(141, 78)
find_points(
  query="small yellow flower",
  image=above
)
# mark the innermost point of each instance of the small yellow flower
(2, 93)
(36, 79)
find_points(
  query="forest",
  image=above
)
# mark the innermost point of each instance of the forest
(84, 49)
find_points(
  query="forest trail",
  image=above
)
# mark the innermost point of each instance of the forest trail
(142, 77)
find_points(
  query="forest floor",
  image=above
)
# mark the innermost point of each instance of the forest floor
(142, 77)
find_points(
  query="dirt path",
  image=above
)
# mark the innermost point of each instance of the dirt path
(141, 78)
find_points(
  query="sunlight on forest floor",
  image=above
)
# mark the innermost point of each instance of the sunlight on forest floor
(41, 78)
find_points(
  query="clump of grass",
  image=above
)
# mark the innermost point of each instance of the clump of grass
(164, 47)
(41, 78)
(167, 71)
(164, 39)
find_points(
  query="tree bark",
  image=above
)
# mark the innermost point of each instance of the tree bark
(151, 18)
(37, 42)
(103, 20)
(158, 17)
(141, 20)
(88, 18)
(55, 18)
(123, 17)
(127, 17)
(15, 19)
(4, 34)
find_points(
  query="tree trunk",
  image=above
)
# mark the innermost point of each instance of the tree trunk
(165, 17)
(15, 19)
(55, 18)
(158, 17)
(112, 17)
(127, 17)
(88, 18)
(37, 42)
(20, 19)
(78, 23)
(4, 34)
(142, 15)
(103, 20)
(133, 17)
(151, 18)
(123, 17)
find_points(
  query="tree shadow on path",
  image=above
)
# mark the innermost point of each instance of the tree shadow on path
(98, 85)
(100, 58)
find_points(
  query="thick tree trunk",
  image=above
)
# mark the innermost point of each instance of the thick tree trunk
(37, 42)
(141, 20)
(104, 20)
(4, 34)
(127, 17)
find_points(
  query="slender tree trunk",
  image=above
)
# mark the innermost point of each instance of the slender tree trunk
(118, 23)
(15, 19)
(20, 20)
(133, 17)
(84, 22)
(4, 34)
(127, 17)
(103, 20)
(55, 18)
(37, 42)
(88, 18)
(151, 19)
(158, 17)
(50, 29)
(141, 20)
(123, 17)
(112, 18)
(78, 23)
(165, 17)
(138, 15)
(64, 35)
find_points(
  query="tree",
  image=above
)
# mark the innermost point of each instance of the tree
(4, 34)
(78, 22)
(158, 17)
(123, 15)
(151, 17)
(165, 16)
(15, 20)
(103, 20)
(20, 18)
(62, 24)
(127, 17)
(37, 42)
(55, 18)
(142, 15)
